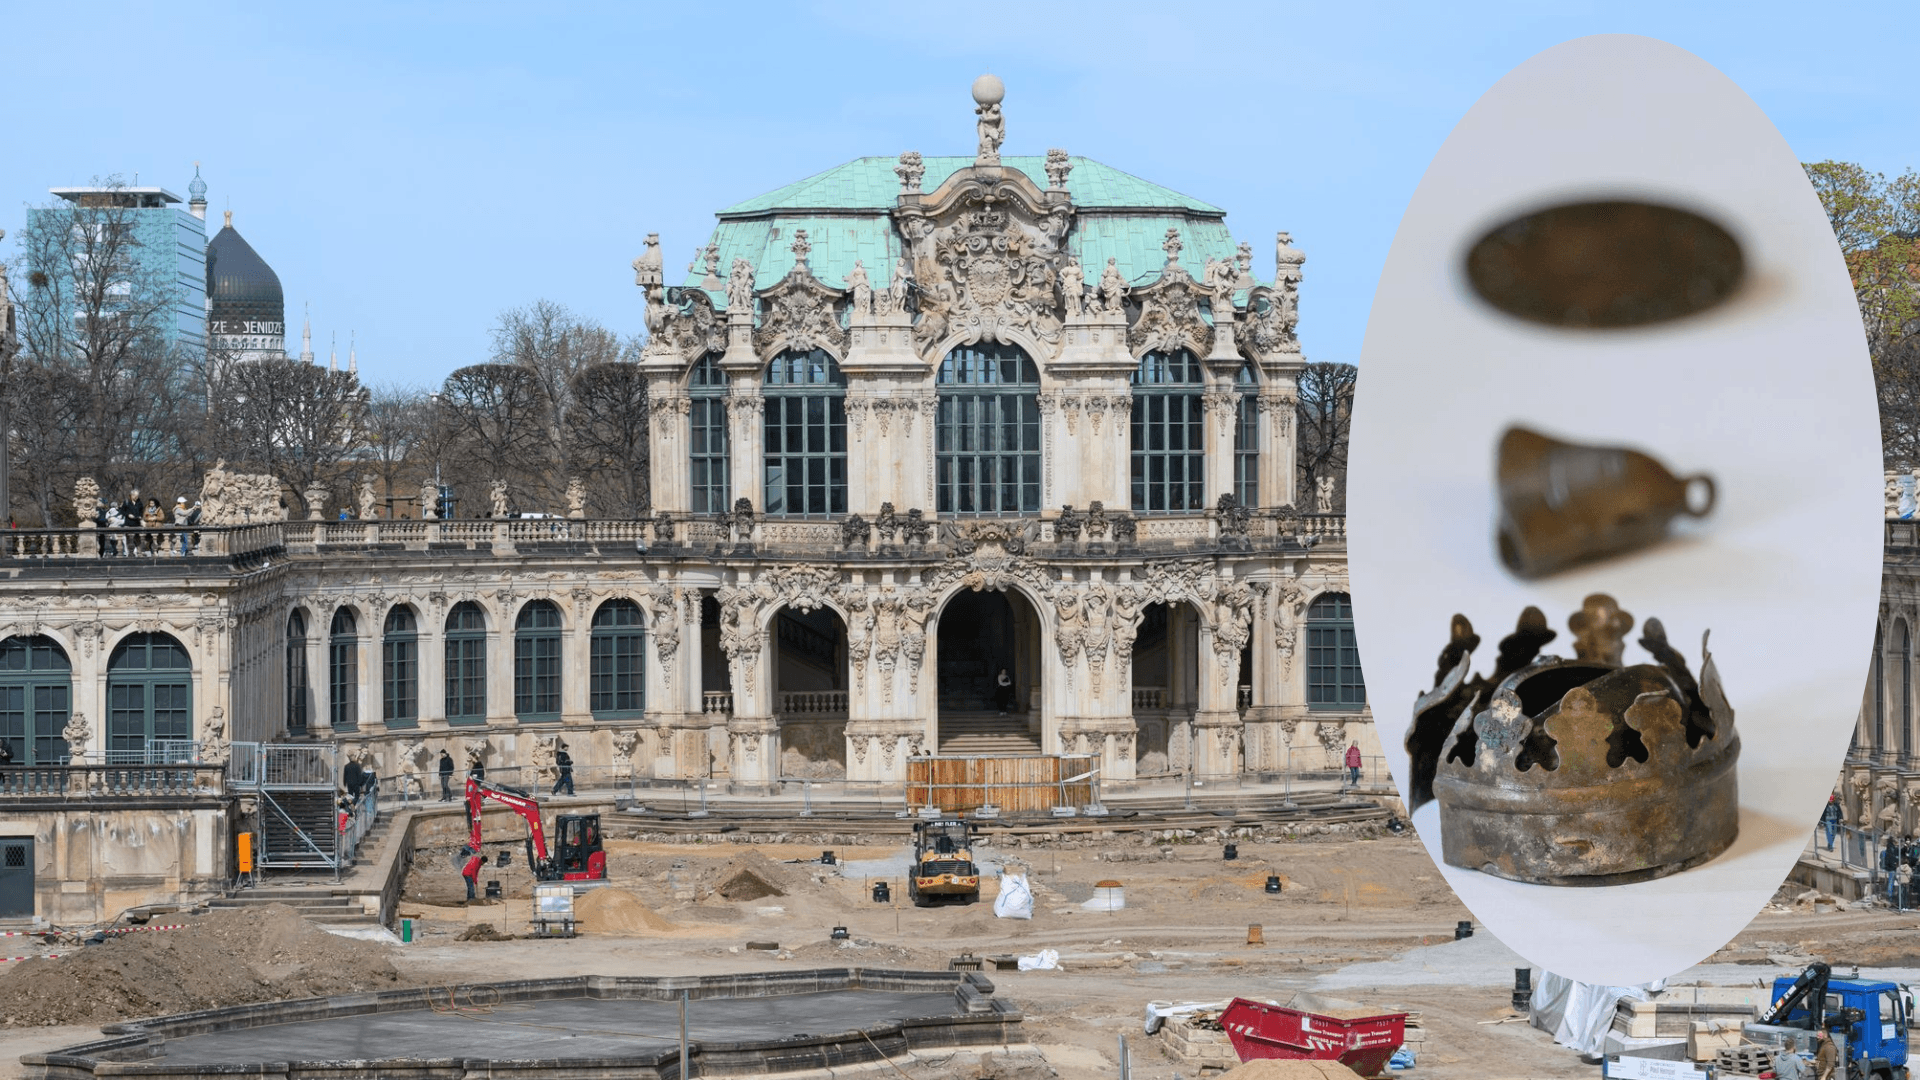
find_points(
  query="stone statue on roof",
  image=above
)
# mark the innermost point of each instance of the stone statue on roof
(1073, 287)
(1220, 278)
(988, 92)
(897, 290)
(648, 268)
(740, 287)
(1112, 288)
(861, 288)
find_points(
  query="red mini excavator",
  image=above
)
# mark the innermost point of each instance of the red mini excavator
(577, 855)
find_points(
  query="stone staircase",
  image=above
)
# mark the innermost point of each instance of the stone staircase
(985, 734)
(317, 904)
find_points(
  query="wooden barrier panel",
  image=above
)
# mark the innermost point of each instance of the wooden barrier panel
(1027, 784)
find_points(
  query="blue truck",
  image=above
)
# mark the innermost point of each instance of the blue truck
(1866, 1019)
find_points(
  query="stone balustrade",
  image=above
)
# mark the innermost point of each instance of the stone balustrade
(814, 702)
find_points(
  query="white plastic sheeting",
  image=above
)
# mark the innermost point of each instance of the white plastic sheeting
(1044, 960)
(1016, 898)
(1579, 1014)
(1113, 898)
(1159, 1012)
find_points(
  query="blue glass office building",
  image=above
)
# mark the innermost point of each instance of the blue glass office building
(171, 241)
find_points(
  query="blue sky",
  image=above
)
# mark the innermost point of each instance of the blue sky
(413, 169)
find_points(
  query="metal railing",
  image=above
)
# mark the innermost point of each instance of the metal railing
(157, 752)
(306, 766)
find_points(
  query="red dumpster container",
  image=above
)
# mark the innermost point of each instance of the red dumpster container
(1360, 1041)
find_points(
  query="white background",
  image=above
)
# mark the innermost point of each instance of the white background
(1771, 394)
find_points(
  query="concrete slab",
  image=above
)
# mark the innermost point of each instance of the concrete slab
(563, 1028)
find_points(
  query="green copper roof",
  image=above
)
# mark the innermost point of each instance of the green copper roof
(845, 211)
(869, 183)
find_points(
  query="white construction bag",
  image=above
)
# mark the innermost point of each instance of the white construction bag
(1015, 900)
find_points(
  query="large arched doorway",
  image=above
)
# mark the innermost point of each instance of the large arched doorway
(981, 636)
(810, 691)
(1166, 674)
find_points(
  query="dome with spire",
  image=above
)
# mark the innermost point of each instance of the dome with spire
(198, 187)
(246, 311)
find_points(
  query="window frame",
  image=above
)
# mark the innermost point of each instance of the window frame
(400, 669)
(43, 684)
(152, 683)
(466, 665)
(816, 409)
(973, 398)
(1167, 389)
(614, 693)
(343, 671)
(537, 666)
(709, 470)
(298, 678)
(1246, 437)
(1331, 647)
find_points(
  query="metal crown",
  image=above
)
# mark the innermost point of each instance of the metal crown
(1586, 771)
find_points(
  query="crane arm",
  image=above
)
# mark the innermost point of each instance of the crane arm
(528, 807)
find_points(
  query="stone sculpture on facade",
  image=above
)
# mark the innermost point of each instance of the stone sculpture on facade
(86, 500)
(740, 288)
(214, 747)
(576, 498)
(1058, 166)
(855, 531)
(1066, 527)
(800, 312)
(917, 530)
(229, 498)
(911, 168)
(1097, 520)
(79, 737)
(648, 269)
(545, 760)
(429, 501)
(364, 499)
(1113, 288)
(988, 92)
(497, 493)
(861, 288)
(1323, 495)
(1073, 288)
(896, 296)
(887, 524)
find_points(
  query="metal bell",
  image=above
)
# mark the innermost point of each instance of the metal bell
(1562, 504)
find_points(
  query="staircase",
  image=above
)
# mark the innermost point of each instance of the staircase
(293, 823)
(985, 734)
(318, 905)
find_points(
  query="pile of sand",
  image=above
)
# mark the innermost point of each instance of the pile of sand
(1276, 1069)
(751, 876)
(230, 956)
(482, 932)
(608, 910)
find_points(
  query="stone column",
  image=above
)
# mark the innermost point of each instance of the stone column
(746, 442)
(1277, 405)
(1216, 718)
(89, 660)
(1221, 415)
(576, 661)
(667, 408)
(500, 667)
(433, 671)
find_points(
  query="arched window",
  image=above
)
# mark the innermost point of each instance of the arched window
(400, 669)
(36, 699)
(806, 434)
(1169, 457)
(298, 687)
(536, 662)
(711, 486)
(343, 672)
(1246, 439)
(1879, 693)
(1333, 660)
(1906, 691)
(466, 664)
(149, 700)
(987, 435)
(618, 679)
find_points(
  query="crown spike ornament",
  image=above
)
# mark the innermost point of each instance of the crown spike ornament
(1582, 771)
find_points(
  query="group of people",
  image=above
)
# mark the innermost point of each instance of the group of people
(561, 759)
(130, 528)
(1900, 862)
(1793, 1063)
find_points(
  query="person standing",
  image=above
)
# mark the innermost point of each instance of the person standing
(180, 515)
(154, 519)
(1003, 692)
(472, 869)
(565, 761)
(6, 751)
(446, 776)
(478, 770)
(1830, 819)
(1826, 1056)
(1789, 1064)
(1890, 865)
(1353, 765)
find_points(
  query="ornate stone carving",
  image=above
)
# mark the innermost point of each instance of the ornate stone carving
(1272, 315)
(1073, 288)
(429, 501)
(1287, 259)
(475, 751)
(992, 126)
(986, 260)
(683, 323)
(1170, 310)
(663, 626)
(801, 312)
(1113, 289)
(576, 497)
(86, 496)
(911, 168)
(1058, 166)
(363, 502)
(1323, 495)
(1067, 526)
(855, 531)
(917, 530)
(545, 765)
(740, 288)
(861, 288)
(229, 498)
(648, 269)
(1333, 736)
(626, 743)
(1234, 518)
(497, 495)
(663, 527)
(1222, 279)
(79, 736)
(742, 517)
(1097, 520)
(887, 524)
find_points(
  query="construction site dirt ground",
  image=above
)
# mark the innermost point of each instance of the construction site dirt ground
(1368, 919)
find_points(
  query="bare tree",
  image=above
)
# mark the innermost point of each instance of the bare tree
(606, 438)
(45, 405)
(1325, 415)
(95, 312)
(556, 345)
(399, 425)
(500, 426)
(297, 421)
